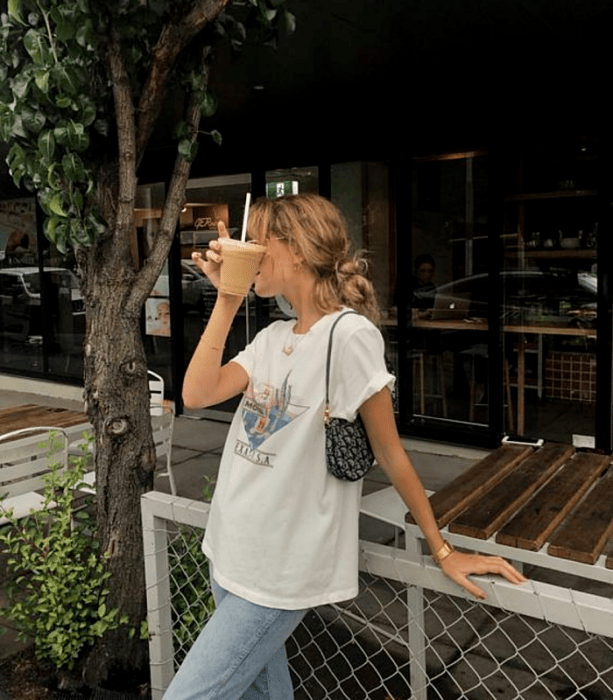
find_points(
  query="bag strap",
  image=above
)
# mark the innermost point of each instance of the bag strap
(328, 356)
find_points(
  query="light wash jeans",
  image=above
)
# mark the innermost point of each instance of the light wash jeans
(239, 655)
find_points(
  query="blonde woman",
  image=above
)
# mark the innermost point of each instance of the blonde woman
(283, 532)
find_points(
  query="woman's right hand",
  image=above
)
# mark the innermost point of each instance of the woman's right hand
(211, 262)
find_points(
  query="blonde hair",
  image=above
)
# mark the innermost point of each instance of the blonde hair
(315, 230)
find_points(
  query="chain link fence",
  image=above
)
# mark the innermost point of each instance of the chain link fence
(395, 641)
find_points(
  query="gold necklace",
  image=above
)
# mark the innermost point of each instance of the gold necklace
(288, 348)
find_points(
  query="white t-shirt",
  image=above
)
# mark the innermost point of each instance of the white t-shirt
(282, 531)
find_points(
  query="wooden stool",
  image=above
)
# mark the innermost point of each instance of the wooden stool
(419, 366)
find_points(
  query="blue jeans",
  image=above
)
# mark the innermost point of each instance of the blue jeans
(239, 655)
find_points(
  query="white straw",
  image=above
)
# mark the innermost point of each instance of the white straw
(245, 217)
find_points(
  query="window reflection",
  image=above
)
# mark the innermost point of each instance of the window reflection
(208, 201)
(362, 192)
(448, 294)
(550, 280)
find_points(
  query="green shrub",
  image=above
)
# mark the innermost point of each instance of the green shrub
(56, 573)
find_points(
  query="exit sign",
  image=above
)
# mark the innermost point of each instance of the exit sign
(278, 189)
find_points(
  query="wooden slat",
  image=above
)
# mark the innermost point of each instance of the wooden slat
(500, 503)
(15, 417)
(533, 524)
(584, 534)
(30, 415)
(470, 486)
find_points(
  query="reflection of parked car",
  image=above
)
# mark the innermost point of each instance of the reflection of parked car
(529, 296)
(198, 291)
(20, 297)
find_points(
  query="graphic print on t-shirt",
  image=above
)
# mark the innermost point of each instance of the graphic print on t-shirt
(266, 410)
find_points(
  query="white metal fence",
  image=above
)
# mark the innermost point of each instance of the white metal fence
(409, 634)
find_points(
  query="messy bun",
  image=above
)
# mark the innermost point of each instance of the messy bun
(316, 231)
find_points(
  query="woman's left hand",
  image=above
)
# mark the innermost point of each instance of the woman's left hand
(458, 566)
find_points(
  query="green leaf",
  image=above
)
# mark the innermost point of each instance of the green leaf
(208, 104)
(17, 127)
(182, 130)
(85, 35)
(65, 24)
(33, 119)
(88, 113)
(63, 101)
(7, 119)
(55, 205)
(73, 167)
(67, 78)
(50, 227)
(268, 13)
(72, 135)
(46, 144)
(53, 179)
(14, 8)
(217, 137)
(41, 77)
(20, 84)
(76, 199)
(289, 21)
(188, 149)
(102, 127)
(36, 45)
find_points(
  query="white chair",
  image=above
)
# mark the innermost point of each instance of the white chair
(156, 393)
(24, 460)
(162, 426)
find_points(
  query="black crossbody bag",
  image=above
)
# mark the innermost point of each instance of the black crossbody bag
(349, 455)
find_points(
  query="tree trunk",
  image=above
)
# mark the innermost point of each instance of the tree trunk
(117, 401)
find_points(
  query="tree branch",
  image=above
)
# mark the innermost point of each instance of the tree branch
(174, 38)
(126, 137)
(175, 200)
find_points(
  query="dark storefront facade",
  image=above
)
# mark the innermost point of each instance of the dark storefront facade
(482, 203)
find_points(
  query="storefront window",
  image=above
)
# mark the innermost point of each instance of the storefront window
(157, 328)
(447, 295)
(208, 201)
(42, 319)
(550, 280)
(362, 191)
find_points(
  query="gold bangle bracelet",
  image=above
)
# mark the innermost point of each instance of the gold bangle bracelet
(443, 552)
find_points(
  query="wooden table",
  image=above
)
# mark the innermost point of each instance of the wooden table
(551, 507)
(33, 415)
(520, 330)
(552, 499)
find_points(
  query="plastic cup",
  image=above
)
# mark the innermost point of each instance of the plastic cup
(240, 262)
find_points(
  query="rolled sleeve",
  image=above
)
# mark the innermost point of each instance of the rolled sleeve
(358, 370)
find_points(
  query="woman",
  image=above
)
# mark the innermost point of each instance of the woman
(422, 283)
(283, 533)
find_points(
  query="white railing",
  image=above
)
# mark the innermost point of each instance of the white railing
(411, 633)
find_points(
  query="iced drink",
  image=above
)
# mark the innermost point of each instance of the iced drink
(239, 264)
